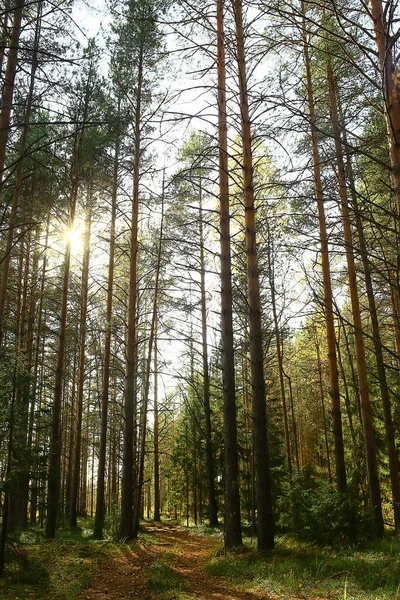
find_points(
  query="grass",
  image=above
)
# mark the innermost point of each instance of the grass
(163, 578)
(371, 572)
(60, 569)
(55, 569)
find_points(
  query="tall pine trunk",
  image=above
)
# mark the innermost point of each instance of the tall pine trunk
(53, 481)
(139, 489)
(156, 433)
(8, 88)
(100, 500)
(233, 533)
(265, 519)
(390, 86)
(20, 167)
(341, 480)
(271, 277)
(73, 506)
(212, 503)
(126, 529)
(369, 435)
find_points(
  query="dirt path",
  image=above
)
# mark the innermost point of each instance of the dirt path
(127, 576)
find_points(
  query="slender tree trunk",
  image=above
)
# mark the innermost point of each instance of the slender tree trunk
(81, 369)
(279, 354)
(147, 378)
(72, 427)
(28, 349)
(395, 306)
(156, 433)
(82, 496)
(293, 418)
(8, 89)
(322, 395)
(212, 503)
(369, 434)
(19, 465)
(378, 347)
(233, 534)
(55, 437)
(126, 530)
(6, 496)
(18, 176)
(390, 86)
(341, 481)
(4, 34)
(115, 448)
(265, 520)
(36, 365)
(53, 484)
(100, 504)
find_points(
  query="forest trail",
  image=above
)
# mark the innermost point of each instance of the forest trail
(127, 576)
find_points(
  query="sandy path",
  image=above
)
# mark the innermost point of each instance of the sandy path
(126, 576)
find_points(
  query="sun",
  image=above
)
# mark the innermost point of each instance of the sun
(75, 239)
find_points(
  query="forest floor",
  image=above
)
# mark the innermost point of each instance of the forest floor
(172, 562)
(172, 566)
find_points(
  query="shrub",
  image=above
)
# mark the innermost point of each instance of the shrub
(313, 510)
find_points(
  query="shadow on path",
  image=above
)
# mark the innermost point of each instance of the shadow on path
(126, 576)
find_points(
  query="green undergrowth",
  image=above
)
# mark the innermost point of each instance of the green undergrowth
(205, 530)
(38, 568)
(301, 569)
(163, 578)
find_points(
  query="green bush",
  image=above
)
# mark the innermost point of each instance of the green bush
(312, 509)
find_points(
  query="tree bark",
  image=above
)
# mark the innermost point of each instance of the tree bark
(100, 502)
(233, 534)
(212, 503)
(265, 519)
(369, 434)
(390, 88)
(341, 480)
(321, 391)
(19, 173)
(4, 34)
(8, 89)
(279, 354)
(126, 529)
(53, 481)
(73, 507)
(147, 379)
(156, 434)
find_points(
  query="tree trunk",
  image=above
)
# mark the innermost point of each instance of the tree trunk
(100, 503)
(81, 368)
(390, 88)
(126, 529)
(369, 434)
(4, 34)
(18, 176)
(279, 353)
(233, 534)
(156, 434)
(212, 503)
(147, 378)
(35, 374)
(394, 290)
(53, 483)
(265, 520)
(322, 395)
(328, 307)
(8, 89)
(19, 467)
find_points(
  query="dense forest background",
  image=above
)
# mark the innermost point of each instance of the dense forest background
(199, 298)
